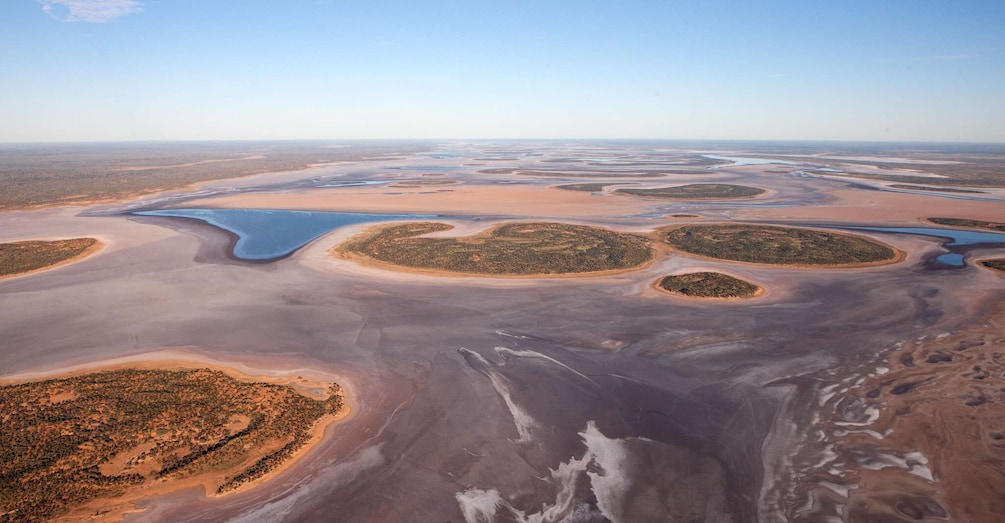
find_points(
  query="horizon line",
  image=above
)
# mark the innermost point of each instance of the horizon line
(609, 139)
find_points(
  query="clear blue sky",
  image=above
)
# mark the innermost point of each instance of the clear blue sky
(79, 70)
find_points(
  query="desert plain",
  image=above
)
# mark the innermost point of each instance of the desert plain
(868, 391)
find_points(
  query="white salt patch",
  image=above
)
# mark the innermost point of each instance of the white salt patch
(873, 414)
(912, 462)
(840, 490)
(478, 505)
(610, 455)
(604, 463)
(826, 456)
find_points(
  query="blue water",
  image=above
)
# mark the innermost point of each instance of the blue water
(264, 235)
(956, 237)
(748, 161)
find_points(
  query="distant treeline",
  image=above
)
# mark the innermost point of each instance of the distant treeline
(35, 174)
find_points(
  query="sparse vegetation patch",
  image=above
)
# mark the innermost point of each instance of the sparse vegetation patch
(933, 189)
(697, 191)
(510, 249)
(424, 183)
(71, 440)
(973, 224)
(708, 285)
(777, 245)
(585, 187)
(997, 264)
(27, 256)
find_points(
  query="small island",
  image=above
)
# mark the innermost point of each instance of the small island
(996, 264)
(778, 245)
(972, 224)
(930, 188)
(29, 256)
(412, 184)
(586, 187)
(697, 191)
(708, 285)
(107, 434)
(512, 249)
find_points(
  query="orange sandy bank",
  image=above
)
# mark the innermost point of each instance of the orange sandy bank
(270, 456)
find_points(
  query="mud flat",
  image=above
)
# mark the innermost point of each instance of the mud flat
(468, 199)
(872, 207)
(91, 442)
(933, 441)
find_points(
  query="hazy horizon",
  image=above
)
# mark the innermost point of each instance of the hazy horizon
(129, 70)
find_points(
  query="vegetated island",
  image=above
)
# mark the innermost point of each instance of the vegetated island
(28, 256)
(933, 189)
(996, 264)
(973, 224)
(513, 249)
(697, 191)
(423, 183)
(586, 187)
(778, 245)
(708, 285)
(120, 433)
(569, 173)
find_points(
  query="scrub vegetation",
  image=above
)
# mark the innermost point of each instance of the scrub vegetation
(933, 189)
(571, 173)
(777, 245)
(71, 440)
(509, 249)
(697, 191)
(996, 264)
(973, 224)
(36, 174)
(708, 285)
(585, 187)
(27, 256)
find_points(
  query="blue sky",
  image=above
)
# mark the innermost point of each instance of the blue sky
(81, 70)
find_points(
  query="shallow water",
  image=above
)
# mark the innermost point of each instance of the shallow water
(738, 161)
(265, 235)
(956, 237)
